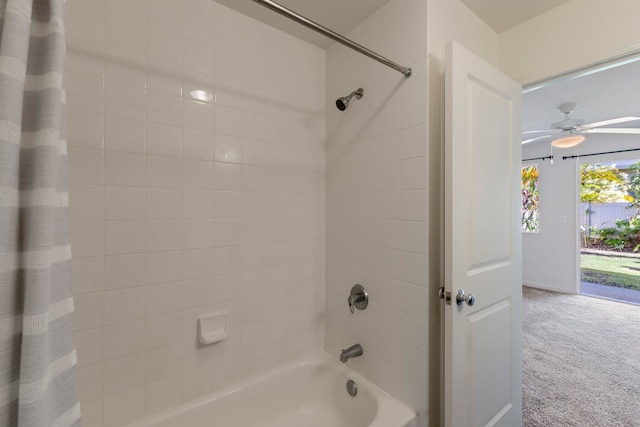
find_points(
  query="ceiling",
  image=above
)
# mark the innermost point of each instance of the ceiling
(342, 16)
(600, 96)
(504, 14)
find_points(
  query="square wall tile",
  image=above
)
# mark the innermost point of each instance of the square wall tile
(163, 299)
(85, 129)
(414, 110)
(164, 172)
(197, 234)
(164, 267)
(126, 25)
(124, 373)
(86, 166)
(162, 362)
(164, 140)
(85, 18)
(87, 275)
(122, 134)
(85, 202)
(124, 169)
(414, 173)
(164, 22)
(124, 237)
(198, 55)
(197, 263)
(414, 142)
(228, 204)
(125, 67)
(124, 271)
(88, 311)
(197, 204)
(197, 115)
(164, 108)
(90, 382)
(255, 152)
(197, 174)
(228, 148)
(123, 203)
(197, 293)
(197, 144)
(87, 238)
(164, 68)
(228, 93)
(228, 177)
(124, 407)
(198, 84)
(124, 305)
(228, 121)
(89, 346)
(85, 93)
(162, 394)
(124, 339)
(124, 100)
(78, 61)
(164, 203)
(164, 330)
(164, 235)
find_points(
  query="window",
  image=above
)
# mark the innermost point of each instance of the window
(530, 198)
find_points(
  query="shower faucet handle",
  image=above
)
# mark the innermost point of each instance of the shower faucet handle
(358, 298)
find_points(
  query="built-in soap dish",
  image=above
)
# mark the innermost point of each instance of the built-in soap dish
(213, 328)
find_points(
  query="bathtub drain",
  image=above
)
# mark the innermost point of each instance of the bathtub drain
(352, 388)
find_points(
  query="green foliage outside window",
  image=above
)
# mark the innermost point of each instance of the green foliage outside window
(530, 198)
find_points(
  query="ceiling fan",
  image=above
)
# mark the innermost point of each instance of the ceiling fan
(570, 132)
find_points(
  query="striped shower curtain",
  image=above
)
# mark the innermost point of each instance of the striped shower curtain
(37, 353)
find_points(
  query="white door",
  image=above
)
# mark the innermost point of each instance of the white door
(483, 372)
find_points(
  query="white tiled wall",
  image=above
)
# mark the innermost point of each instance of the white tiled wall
(377, 203)
(182, 207)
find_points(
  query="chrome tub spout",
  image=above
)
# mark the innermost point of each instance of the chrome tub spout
(353, 351)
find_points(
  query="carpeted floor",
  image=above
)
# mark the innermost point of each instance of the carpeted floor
(581, 361)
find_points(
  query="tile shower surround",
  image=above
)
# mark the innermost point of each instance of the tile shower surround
(182, 206)
(377, 204)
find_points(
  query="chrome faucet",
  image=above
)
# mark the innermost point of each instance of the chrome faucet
(353, 351)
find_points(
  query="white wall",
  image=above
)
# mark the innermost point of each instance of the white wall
(572, 36)
(377, 204)
(181, 207)
(452, 20)
(550, 257)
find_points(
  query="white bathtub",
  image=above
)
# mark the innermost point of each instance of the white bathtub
(311, 393)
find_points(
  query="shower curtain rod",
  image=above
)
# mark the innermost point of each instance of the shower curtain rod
(332, 35)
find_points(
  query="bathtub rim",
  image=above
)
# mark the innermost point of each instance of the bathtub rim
(407, 417)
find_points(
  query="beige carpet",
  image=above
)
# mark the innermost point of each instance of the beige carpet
(581, 360)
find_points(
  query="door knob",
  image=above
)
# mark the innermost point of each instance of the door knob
(469, 299)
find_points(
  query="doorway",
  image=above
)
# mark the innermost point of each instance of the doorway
(610, 230)
(608, 119)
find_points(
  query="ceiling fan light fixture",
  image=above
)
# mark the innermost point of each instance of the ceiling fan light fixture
(567, 141)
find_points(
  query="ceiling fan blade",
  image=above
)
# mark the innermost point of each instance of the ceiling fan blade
(614, 130)
(611, 122)
(537, 138)
(537, 131)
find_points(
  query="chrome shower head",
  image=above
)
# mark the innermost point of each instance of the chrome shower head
(343, 103)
